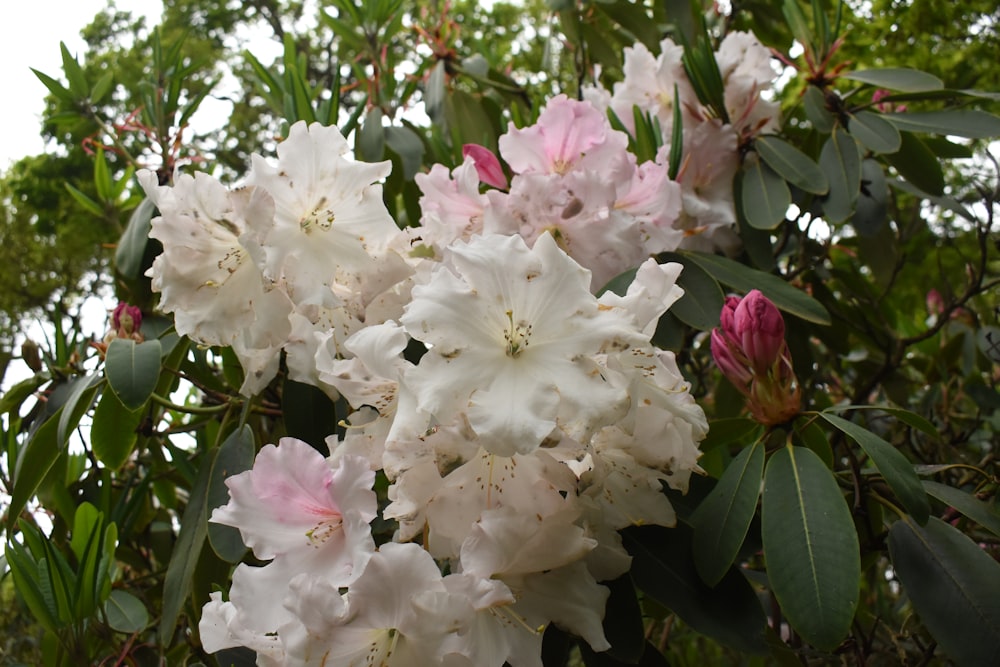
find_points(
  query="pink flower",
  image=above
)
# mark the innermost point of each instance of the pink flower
(487, 165)
(126, 320)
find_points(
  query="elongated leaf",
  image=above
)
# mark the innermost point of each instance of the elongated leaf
(954, 586)
(905, 416)
(792, 164)
(727, 431)
(871, 213)
(38, 457)
(408, 146)
(86, 202)
(814, 103)
(663, 568)
(917, 164)
(814, 438)
(703, 298)
(54, 86)
(722, 520)
(132, 370)
(132, 245)
(114, 431)
(766, 197)
(874, 132)
(743, 278)
(125, 612)
(982, 513)
(897, 471)
(187, 548)
(810, 547)
(80, 397)
(841, 162)
(897, 78)
(24, 570)
(236, 455)
(16, 395)
(970, 123)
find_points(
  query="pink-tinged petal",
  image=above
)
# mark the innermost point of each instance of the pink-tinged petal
(487, 165)
(760, 330)
(292, 500)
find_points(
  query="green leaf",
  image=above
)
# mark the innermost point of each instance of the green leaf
(896, 78)
(125, 612)
(77, 403)
(102, 87)
(871, 212)
(970, 123)
(954, 586)
(810, 547)
(132, 370)
(664, 569)
(814, 438)
(187, 548)
(766, 197)
(814, 103)
(236, 455)
(54, 86)
(19, 393)
(792, 164)
(74, 74)
(727, 431)
(874, 132)
(918, 165)
(371, 138)
(841, 162)
(982, 513)
(797, 24)
(743, 278)
(114, 431)
(703, 298)
(408, 146)
(897, 471)
(83, 200)
(132, 245)
(722, 520)
(38, 457)
(24, 570)
(623, 621)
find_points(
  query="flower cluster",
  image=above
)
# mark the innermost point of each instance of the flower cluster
(539, 419)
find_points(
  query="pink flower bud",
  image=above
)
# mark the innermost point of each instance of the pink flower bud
(126, 319)
(487, 165)
(729, 362)
(727, 319)
(760, 330)
(935, 302)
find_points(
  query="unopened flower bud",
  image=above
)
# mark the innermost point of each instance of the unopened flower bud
(30, 355)
(729, 362)
(760, 330)
(126, 320)
(487, 165)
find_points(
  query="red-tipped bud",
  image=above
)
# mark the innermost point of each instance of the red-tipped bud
(760, 330)
(487, 165)
(730, 361)
(126, 320)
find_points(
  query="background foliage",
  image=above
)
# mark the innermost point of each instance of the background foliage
(876, 237)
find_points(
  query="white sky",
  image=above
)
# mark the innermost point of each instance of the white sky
(30, 32)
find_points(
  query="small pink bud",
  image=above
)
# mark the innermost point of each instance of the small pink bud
(487, 165)
(935, 302)
(760, 330)
(126, 319)
(727, 319)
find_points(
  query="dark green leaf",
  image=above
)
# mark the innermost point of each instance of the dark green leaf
(743, 278)
(54, 86)
(114, 431)
(814, 103)
(722, 520)
(125, 612)
(871, 212)
(663, 568)
(235, 455)
(970, 123)
(797, 24)
(947, 203)
(874, 132)
(74, 74)
(814, 438)
(371, 138)
(897, 78)
(408, 146)
(132, 370)
(623, 621)
(841, 162)
(982, 513)
(703, 298)
(766, 197)
(810, 547)
(792, 164)
(24, 570)
(132, 245)
(77, 404)
(187, 548)
(954, 586)
(897, 471)
(727, 431)
(16, 395)
(309, 414)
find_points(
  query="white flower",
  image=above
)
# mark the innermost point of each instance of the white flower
(513, 332)
(328, 211)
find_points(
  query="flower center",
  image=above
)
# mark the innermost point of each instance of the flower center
(516, 335)
(324, 530)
